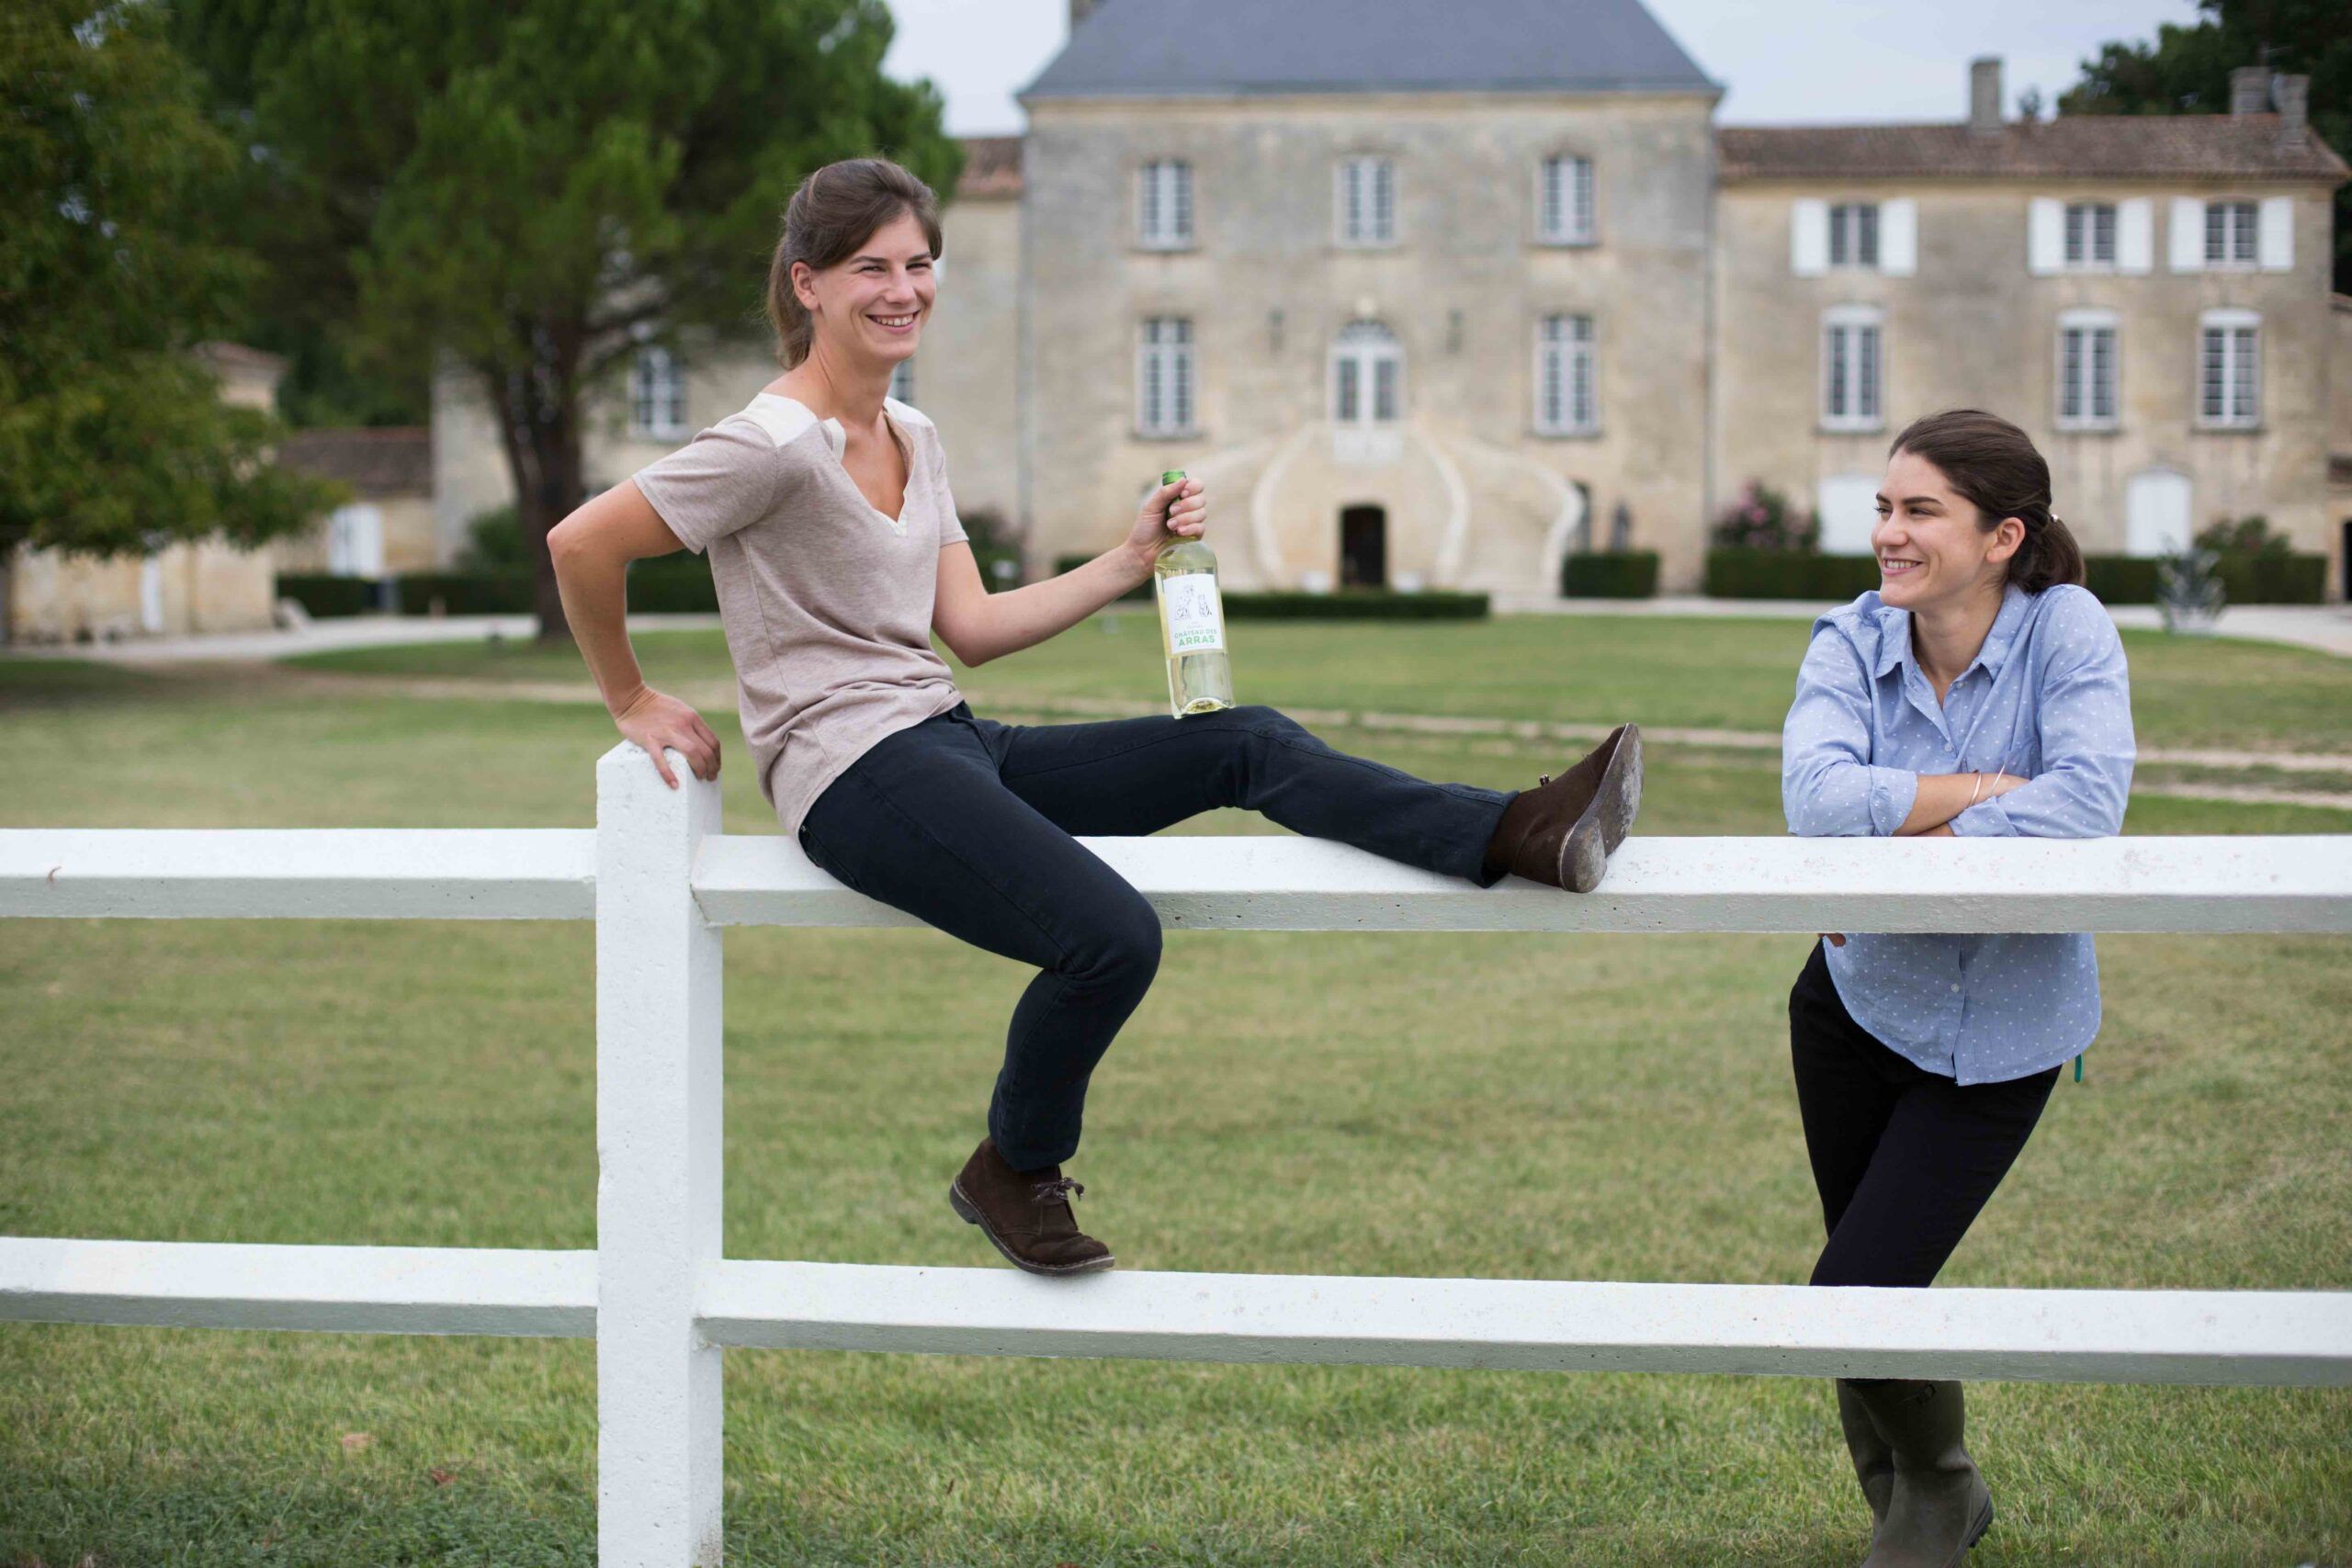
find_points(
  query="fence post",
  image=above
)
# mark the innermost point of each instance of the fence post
(659, 1077)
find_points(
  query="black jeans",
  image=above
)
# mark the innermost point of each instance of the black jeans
(967, 824)
(1903, 1158)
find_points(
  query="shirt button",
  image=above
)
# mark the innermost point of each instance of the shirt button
(1955, 990)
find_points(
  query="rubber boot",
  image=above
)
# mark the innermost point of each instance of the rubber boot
(1873, 1460)
(1940, 1506)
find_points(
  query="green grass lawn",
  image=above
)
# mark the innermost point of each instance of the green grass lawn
(1697, 673)
(1502, 1107)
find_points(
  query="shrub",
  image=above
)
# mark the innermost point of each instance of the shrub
(323, 595)
(678, 583)
(1629, 574)
(493, 544)
(1762, 519)
(1356, 604)
(1788, 574)
(2246, 536)
(463, 593)
(2263, 577)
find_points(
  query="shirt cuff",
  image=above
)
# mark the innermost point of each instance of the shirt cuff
(1985, 819)
(1892, 793)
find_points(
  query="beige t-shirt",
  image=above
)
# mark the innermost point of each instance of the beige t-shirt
(826, 600)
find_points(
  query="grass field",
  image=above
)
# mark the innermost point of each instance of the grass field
(1612, 1108)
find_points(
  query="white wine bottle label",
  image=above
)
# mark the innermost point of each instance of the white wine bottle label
(1194, 617)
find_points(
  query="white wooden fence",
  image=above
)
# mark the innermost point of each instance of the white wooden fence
(662, 882)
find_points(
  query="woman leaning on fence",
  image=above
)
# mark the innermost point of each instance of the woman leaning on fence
(836, 551)
(1981, 692)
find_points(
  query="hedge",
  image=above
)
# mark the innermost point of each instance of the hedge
(1628, 574)
(323, 595)
(463, 593)
(1788, 574)
(672, 584)
(2245, 579)
(1356, 604)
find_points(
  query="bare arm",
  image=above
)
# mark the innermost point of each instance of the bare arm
(591, 549)
(978, 626)
(1943, 796)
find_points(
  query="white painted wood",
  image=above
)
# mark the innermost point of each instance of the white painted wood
(1658, 884)
(2275, 233)
(1898, 236)
(2135, 235)
(1847, 505)
(2174, 1336)
(1808, 237)
(2155, 513)
(659, 1126)
(347, 1290)
(2187, 238)
(2045, 236)
(395, 874)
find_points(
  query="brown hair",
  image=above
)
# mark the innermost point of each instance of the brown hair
(836, 210)
(1994, 466)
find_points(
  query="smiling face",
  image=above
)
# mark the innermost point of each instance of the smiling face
(1933, 547)
(871, 307)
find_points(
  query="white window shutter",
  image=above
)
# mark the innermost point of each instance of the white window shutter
(2135, 235)
(1809, 238)
(2187, 234)
(1898, 237)
(2277, 252)
(2045, 235)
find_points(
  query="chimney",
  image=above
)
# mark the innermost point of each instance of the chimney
(1079, 11)
(2250, 90)
(1985, 95)
(2294, 108)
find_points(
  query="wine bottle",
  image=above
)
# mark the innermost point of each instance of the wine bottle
(1191, 623)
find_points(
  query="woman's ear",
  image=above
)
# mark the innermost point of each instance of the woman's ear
(2009, 537)
(804, 285)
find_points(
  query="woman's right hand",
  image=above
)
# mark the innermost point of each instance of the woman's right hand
(655, 720)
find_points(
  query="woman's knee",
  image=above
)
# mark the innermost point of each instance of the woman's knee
(1258, 720)
(1122, 945)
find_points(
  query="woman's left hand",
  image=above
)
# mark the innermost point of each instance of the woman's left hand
(1181, 509)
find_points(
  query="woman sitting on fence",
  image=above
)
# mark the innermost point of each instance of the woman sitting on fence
(1980, 692)
(836, 551)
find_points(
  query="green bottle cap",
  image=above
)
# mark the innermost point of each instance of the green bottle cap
(1172, 476)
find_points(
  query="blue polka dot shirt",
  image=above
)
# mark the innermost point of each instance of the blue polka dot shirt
(2047, 699)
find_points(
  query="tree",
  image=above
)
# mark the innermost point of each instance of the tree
(112, 433)
(536, 191)
(2186, 71)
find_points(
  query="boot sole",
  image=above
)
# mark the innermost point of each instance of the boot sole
(970, 1214)
(1584, 853)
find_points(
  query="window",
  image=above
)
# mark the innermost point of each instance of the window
(1367, 372)
(2229, 369)
(1853, 234)
(1563, 201)
(657, 396)
(1851, 368)
(902, 381)
(1164, 377)
(2233, 234)
(2090, 233)
(1167, 205)
(1565, 404)
(1367, 201)
(2087, 374)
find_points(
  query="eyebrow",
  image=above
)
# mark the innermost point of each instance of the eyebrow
(1913, 500)
(918, 255)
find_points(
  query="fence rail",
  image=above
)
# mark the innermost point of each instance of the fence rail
(661, 884)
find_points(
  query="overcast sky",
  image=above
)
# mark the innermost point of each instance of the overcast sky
(1789, 61)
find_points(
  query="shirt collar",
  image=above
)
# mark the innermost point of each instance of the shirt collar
(1895, 636)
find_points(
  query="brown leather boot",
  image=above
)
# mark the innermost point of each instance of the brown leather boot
(1026, 1214)
(1563, 831)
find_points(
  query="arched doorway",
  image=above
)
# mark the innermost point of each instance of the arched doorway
(1363, 547)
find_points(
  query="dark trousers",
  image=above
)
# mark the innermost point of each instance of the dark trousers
(967, 824)
(1903, 1158)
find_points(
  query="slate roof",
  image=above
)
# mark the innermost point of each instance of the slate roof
(1224, 48)
(393, 460)
(2189, 146)
(991, 167)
